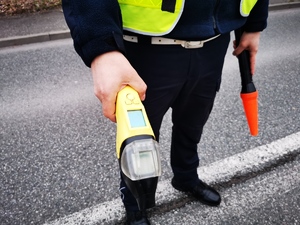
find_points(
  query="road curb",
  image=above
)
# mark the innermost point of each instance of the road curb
(246, 164)
(63, 34)
(34, 38)
(280, 6)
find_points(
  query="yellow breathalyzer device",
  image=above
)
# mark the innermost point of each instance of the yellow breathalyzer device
(136, 147)
(135, 138)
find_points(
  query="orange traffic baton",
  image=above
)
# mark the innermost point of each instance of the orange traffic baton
(249, 94)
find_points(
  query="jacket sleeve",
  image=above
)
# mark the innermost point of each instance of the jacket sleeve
(95, 26)
(257, 20)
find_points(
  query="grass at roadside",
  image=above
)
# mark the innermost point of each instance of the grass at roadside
(12, 7)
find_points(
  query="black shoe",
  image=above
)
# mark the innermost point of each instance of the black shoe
(202, 192)
(137, 218)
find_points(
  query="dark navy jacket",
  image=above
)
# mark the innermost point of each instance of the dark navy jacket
(96, 25)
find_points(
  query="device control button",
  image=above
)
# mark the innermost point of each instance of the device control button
(136, 101)
(130, 96)
(128, 102)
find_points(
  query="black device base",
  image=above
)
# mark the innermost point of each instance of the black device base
(143, 191)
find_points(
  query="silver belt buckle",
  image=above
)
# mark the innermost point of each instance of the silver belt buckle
(192, 44)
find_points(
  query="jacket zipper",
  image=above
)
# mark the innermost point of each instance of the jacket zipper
(214, 16)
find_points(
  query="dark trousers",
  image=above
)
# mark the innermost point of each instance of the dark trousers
(187, 81)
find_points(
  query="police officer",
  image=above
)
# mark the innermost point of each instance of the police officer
(172, 53)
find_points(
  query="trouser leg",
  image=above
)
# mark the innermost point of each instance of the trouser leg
(155, 65)
(182, 79)
(192, 108)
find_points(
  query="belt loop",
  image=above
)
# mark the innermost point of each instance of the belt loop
(143, 39)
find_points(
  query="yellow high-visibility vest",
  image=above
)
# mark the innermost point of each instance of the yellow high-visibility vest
(246, 7)
(147, 16)
(151, 17)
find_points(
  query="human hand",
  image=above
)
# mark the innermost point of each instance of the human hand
(111, 72)
(249, 42)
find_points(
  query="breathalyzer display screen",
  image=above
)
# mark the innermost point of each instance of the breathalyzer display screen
(140, 159)
(136, 118)
(145, 163)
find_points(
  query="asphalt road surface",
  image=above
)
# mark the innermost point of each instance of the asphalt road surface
(57, 151)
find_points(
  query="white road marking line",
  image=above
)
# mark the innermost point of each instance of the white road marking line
(252, 160)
